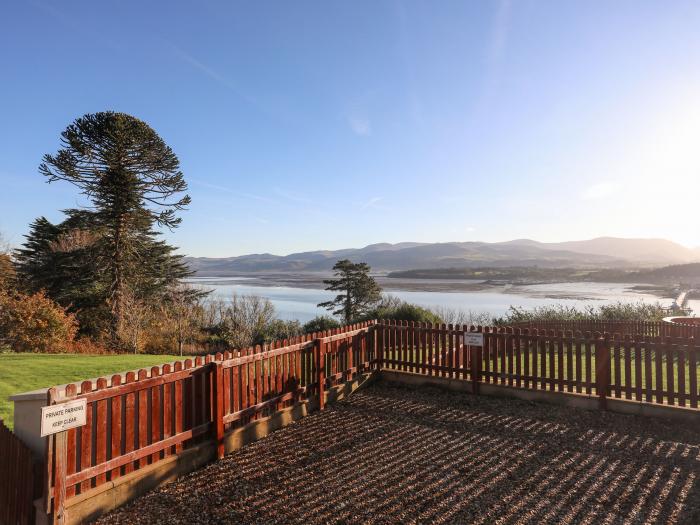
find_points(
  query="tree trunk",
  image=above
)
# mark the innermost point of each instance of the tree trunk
(117, 291)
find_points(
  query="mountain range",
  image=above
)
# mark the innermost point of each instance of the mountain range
(607, 252)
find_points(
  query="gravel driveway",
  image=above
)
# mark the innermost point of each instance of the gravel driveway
(393, 455)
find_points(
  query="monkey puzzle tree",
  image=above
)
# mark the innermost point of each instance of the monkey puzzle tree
(133, 182)
(359, 290)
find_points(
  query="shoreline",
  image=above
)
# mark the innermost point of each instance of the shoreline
(314, 281)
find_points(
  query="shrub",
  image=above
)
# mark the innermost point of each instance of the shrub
(277, 330)
(34, 323)
(391, 307)
(619, 311)
(457, 316)
(87, 346)
(320, 323)
(243, 321)
(639, 311)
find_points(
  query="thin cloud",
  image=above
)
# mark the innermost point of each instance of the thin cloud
(214, 75)
(203, 68)
(291, 195)
(372, 203)
(499, 34)
(360, 125)
(242, 194)
(600, 190)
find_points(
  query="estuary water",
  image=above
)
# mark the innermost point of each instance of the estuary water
(300, 303)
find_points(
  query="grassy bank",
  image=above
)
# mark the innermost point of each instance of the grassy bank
(25, 372)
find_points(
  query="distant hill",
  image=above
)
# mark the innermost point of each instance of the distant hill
(644, 251)
(603, 252)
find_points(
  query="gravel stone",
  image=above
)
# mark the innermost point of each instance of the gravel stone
(389, 454)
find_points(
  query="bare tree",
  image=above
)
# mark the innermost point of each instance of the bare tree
(457, 316)
(245, 318)
(136, 319)
(7, 268)
(184, 310)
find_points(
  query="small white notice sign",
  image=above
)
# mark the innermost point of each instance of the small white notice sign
(474, 339)
(57, 418)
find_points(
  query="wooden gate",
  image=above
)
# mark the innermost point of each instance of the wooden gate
(20, 481)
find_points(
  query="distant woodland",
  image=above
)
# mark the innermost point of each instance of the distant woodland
(687, 275)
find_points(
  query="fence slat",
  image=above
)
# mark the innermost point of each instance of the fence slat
(560, 361)
(129, 422)
(638, 366)
(71, 446)
(669, 352)
(648, 376)
(552, 361)
(17, 479)
(101, 431)
(116, 427)
(155, 413)
(693, 374)
(681, 375)
(168, 423)
(142, 413)
(85, 436)
(658, 358)
(569, 343)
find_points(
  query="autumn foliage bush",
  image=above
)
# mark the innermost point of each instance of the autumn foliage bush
(87, 346)
(35, 323)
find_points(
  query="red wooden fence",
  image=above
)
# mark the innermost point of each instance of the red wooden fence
(146, 416)
(143, 417)
(18, 480)
(636, 328)
(654, 369)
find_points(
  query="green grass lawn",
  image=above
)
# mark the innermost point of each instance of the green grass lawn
(25, 372)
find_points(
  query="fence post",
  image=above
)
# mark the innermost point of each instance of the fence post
(59, 499)
(319, 347)
(56, 463)
(48, 461)
(475, 355)
(218, 426)
(602, 369)
(379, 345)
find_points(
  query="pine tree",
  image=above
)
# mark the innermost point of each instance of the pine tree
(59, 259)
(359, 290)
(133, 182)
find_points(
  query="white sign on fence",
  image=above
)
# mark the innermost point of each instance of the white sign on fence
(474, 339)
(57, 418)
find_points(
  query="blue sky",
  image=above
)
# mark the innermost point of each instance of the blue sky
(310, 125)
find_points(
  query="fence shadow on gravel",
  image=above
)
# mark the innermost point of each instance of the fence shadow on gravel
(402, 455)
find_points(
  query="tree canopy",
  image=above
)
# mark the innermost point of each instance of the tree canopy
(109, 254)
(359, 291)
